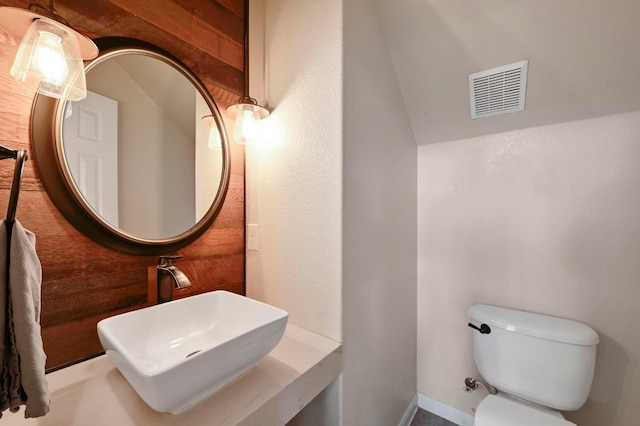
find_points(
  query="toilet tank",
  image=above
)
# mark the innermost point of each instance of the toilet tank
(539, 358)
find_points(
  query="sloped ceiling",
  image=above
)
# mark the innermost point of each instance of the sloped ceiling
(169, 89)
(584, 59)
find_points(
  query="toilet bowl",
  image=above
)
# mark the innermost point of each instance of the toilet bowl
(539, 364)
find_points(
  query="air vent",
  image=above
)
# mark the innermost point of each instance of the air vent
(499, 90)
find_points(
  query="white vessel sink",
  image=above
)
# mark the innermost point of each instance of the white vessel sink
(177, 353)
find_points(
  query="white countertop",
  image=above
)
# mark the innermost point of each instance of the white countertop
(94, 393)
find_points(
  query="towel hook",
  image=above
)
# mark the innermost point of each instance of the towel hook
(21, 157)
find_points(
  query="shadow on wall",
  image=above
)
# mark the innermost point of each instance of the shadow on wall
(608, 389)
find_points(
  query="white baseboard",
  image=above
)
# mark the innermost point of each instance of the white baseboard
(411, 411)
(445, 411)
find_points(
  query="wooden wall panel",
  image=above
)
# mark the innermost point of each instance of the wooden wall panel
(84, 282)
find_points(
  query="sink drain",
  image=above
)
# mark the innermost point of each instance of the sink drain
(193, 353)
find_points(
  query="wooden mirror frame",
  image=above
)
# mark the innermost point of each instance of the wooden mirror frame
(48, 152)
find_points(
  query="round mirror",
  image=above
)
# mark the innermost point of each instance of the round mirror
(141, 164)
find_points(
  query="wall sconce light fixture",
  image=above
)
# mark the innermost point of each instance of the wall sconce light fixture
(213, 139)
(50, 52)
(247, 111)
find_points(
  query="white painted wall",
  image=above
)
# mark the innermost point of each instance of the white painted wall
(545, 219)
(379, 229)
(177, 176)
(334, 195)
(294, 175)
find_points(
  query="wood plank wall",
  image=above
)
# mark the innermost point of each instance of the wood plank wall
(84, 282)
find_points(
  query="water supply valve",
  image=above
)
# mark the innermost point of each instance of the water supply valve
(471, 384)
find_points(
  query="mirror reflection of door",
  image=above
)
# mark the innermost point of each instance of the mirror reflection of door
(168, 172)
(91, 149)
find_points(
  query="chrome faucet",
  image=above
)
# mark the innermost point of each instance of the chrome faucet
(169, 277)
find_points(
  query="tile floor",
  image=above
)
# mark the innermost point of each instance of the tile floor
(425, 418)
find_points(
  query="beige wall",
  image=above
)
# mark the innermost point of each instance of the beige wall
(379, 229)
(294, 176)
(143, 191)
(294, 173)
(545, 219)
(177, 176)
(337, 218)
(149, 136)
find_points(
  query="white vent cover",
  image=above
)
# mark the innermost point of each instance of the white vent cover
(499, 90)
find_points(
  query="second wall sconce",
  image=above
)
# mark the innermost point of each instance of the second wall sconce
(246, 110)
(213, 138)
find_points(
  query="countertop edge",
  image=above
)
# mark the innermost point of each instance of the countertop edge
(273, 392)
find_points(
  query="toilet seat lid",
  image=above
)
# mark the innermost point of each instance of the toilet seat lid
(496, 410)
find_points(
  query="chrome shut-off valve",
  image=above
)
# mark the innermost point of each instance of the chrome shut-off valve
(471, 384)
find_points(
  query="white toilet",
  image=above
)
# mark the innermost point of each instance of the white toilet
(538, 363)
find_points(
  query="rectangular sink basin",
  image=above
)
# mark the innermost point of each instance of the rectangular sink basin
(177, 353)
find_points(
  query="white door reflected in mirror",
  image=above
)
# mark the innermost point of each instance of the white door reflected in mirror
(91, 149)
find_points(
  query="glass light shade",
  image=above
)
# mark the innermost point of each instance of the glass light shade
(245, 125)
(246, 120)
(49, 53)
(214, 142)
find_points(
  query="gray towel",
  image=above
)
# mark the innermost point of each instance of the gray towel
(11, 396)
(23, 377)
